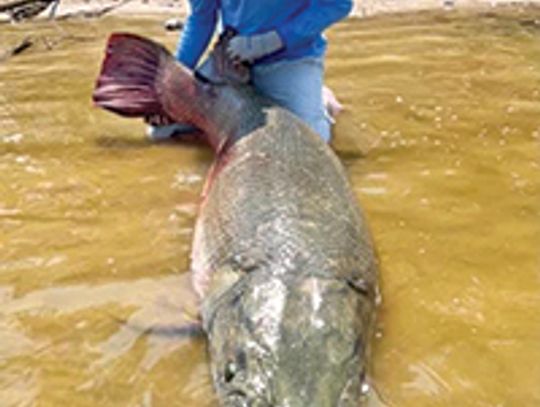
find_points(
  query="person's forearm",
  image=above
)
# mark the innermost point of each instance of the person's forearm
(311, 22)
(195, 37)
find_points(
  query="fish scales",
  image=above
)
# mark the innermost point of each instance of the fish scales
(282, 258)
(274, 178)
(281, 208)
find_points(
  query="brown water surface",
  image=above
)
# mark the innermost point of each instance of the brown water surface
(96, 222)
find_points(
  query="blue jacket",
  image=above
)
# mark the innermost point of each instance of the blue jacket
(299, 23)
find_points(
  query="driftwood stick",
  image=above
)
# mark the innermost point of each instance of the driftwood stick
(19, 10)
(52, 12)
(14, 4)
(93, 13)
(28, 42)
(22, 46)
(27, 9)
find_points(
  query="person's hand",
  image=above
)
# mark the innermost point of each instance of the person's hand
(158, 120)
(251, 48)
(219, 68)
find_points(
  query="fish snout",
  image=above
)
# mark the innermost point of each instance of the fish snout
(238, 398)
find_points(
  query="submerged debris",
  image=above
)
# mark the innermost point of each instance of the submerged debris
(20, 47)
(530, 23)
(19, 10)
(94, 13)
(173, 24)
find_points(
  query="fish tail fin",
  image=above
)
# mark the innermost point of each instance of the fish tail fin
(136, 81)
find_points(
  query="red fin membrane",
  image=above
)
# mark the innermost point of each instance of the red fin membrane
(127, 82)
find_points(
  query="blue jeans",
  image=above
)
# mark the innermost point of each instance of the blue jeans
(297, 86)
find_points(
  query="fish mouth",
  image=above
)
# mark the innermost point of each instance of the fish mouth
(236, 398)
(239, 398)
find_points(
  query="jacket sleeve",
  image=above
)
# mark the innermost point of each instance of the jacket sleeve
(313, 20)
(197, 32)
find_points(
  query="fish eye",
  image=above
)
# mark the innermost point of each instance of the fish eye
(232, 368)
(230, 371)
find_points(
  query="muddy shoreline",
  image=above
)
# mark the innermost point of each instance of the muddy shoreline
(179, 8)
(364, 8)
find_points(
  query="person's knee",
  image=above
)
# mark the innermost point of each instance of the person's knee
(296, 86)
(314, 116)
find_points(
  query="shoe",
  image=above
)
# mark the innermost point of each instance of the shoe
(169, 131)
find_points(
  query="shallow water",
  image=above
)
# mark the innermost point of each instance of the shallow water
(440, 138)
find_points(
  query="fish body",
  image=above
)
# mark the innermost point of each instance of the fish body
(282, 257)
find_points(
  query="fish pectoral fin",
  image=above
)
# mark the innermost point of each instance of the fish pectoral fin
(161, 320)
(168, 308)
(186, 330)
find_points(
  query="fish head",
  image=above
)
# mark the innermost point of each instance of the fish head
(276, 343)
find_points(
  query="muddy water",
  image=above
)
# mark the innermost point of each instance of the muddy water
(440, 139)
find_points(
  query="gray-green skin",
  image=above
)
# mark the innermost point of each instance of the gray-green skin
(282, 257)
(283, 262)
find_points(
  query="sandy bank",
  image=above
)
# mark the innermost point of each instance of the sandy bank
(363, 8)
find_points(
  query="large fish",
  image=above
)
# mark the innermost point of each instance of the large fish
(282, 258)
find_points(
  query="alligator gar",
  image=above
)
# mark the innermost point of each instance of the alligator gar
(282, 258)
